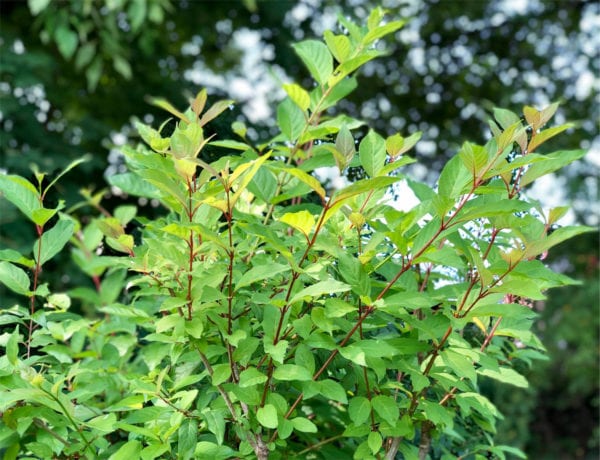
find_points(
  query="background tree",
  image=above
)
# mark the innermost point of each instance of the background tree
(72, 73)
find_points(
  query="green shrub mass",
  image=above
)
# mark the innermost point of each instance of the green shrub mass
(266, 315)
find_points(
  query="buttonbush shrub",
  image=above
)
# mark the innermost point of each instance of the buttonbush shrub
(268, 315)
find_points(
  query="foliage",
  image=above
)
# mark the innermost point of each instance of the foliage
(73, 28)
(266, 315)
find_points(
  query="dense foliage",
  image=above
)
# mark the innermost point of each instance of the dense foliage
(267, 314)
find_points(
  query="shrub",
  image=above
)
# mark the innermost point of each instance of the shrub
(265, 315)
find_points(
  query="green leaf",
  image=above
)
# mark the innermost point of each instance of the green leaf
(363, 186)
(298, 95)
(333, 390)
(454, 179)
(304, 358)
(291, 119)
(505, 118)
(459, 363)
(215, 419)
(436, 413)
(336, 308)
(221, 373)
(137, 13)
(309, 180)
(14, 278)
(316, 58)
(359, 351)
(12, 347)
(359, 410)
(21, 193)
(103, 423)
(339, 91)
(93, 73)
(247, 173)
(229, 144)
(474, 157)
(556, 237)
(122, 66)
(505, 375)
(277, 352)
(396, 145)
(292, 372)
(187, 438)
(260, 273)
(127, 451)
(166, 105)
(69, 167)
(536, 118)
(251, 376)
(52, 241)
(372, 153)
(546, 134)
(153, 451)
(195, 327)
(215, 110)
(387, 408)
(37, 6)
(210, 450)
(375, 441)
(134, 185)
(304, 425)
(85, 54)
(301, 220)
(339, 45)
(317, 290)
(382, 31)
(186, 140)
(66, 40)
(263, 185)
(352, 64)
(467, 401)
(553, 162)
(267, 416)
(344, 143)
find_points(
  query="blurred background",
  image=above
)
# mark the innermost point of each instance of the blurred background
(75, 74)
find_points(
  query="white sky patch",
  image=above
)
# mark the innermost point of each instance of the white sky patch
(18, 47)
(593, 155)
(406, 198)
(585, 84)
(251, 83)
(332, 177)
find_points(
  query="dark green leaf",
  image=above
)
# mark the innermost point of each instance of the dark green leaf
(14, 278)
(386, 407)
(359, 409)
(53, 241)
(66, 40)
(21, 193)
(188, 436)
